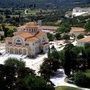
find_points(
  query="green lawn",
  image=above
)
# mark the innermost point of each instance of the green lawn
(87, 73)
(65, 88)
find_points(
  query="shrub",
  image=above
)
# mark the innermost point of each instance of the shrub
(80, 36)
(50, 37)
(81, 79)
(66, 37)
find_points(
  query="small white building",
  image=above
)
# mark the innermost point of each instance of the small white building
(28, 40)
(1, 34)
(83, 41)
(78, 11)
(49, 29)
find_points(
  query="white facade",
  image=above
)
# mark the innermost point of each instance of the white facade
(2, 33)
(49, 29)
(80, 11)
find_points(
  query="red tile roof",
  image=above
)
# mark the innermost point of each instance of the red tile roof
(86, 39)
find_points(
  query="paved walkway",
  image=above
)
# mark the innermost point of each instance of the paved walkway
(59, 80)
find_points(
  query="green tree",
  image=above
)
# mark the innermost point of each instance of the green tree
(7, 77)
(37, 83)
(80, 36)
(57, 36)
(80, 79)
(53, 53)
(12, 78)
(23, 72)
(10, 33)
(87, 52)
(66, 37)
(14, 63)
(62, 56)
(64, 28)
(49, 67)
(50, 37)
(70, 59)
(15, 76)
(87, 26)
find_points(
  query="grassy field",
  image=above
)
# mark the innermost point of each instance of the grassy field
(11, 27)
(66, 88)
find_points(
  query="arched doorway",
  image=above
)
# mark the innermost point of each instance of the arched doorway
(11, 50)
(20, 51)
(24, 51)
(16, 51)
(7, 50)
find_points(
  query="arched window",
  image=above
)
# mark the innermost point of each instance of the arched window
(18, 41)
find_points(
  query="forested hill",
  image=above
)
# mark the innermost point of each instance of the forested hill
(42, 3)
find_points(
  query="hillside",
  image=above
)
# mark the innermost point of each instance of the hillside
(42, 3)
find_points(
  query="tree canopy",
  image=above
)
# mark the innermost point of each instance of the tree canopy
(49, 67)
(37, 83)
(14, 63)
(64, 28)
(21, 77)
(87, 26)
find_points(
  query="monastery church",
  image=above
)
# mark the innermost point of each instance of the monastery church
(28, 40)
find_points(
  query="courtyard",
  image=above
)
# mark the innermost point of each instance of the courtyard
(34, 63)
